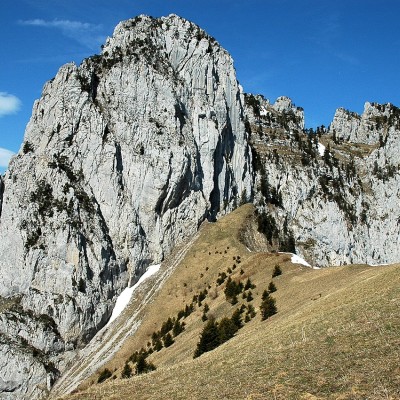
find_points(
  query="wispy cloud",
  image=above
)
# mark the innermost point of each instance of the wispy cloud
(90, 35)
(9, 104)
(5, 156)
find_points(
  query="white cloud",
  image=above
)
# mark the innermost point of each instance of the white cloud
(83, 32)
(9, 104)
(5, 156)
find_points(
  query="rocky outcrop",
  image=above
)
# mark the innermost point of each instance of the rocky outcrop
(123, 158)
(370, 128)
(331, 196)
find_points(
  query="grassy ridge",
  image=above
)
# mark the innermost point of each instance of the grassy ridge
(336, 334)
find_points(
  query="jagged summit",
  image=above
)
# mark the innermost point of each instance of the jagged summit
(369, 127)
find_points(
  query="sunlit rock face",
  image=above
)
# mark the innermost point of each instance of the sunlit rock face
(332, 196)
(123, 158)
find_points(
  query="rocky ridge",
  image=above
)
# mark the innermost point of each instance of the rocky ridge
(330, 195)
(125, 156)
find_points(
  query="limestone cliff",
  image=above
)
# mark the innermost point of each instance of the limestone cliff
(330, 195)
(124, 156)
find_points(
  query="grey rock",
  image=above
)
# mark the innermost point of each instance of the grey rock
(339, 208)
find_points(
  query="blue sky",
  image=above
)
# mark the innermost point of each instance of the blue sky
(322, 54)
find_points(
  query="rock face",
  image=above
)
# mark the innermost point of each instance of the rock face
(123, 158)
(331, 196)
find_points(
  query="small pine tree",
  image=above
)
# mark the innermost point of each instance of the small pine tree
(277, 271)
(209, 338)
(181, 314)
(168, 341)
(167, 326)
(265, 294)
(127, 371)
(105, 374)
(237, 318)
(268, 308)
(133, 357)
(142, 366)
(251, 312)
(271, 287)
(188, 310)
(158, 345)
(226, 329)
(178, 328)
(250, 296)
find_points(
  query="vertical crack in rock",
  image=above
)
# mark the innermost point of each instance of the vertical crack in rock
(1, 194)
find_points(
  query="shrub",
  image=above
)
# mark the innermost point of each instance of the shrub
(209, 338)
(265, 294)
(126, 372)
(237, 318)
(178, 328)
(271, 287)
(105, 374)
(268, 308)
(232, 289)
(28, 147)
(277, 271)
(168, 341)
(142, 366)
(251, 312)
(226, 329)
(221, 278)
(249, 285)
(167, 326)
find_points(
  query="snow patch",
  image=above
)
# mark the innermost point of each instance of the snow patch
(377, 265)
(124, 298)
(321, 149)
(263, 111)
(298, 260)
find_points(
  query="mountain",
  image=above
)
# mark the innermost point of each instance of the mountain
(126, 155)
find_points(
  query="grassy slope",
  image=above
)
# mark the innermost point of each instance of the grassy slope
(336, 334)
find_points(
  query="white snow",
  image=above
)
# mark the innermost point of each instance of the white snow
(125, 296)
(263, 111)
(377, 265)
(321, 149)
(298, 260)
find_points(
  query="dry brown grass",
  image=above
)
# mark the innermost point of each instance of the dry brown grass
(336, 334)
